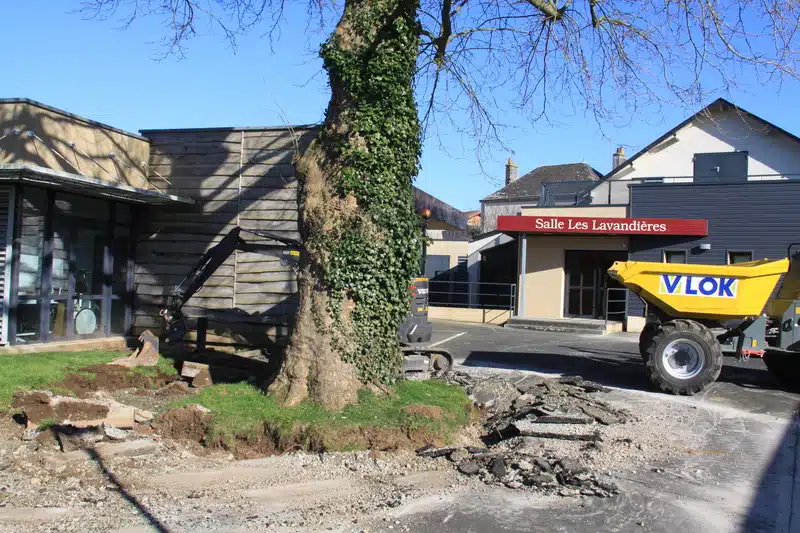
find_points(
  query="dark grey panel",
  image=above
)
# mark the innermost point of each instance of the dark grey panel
(721, 166)
(758, 216)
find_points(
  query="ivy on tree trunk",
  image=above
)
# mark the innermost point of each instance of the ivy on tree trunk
(362, 235)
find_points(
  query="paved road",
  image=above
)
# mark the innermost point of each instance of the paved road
(751, 486)
(612, 360)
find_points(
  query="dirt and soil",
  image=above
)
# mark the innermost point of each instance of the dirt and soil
(428, 411)
(184, 423)
(110, 378)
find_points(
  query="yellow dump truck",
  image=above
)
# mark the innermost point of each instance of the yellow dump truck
(697, 313)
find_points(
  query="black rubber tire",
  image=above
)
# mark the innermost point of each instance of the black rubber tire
(690, 330)
(785, 368)
(646, 338)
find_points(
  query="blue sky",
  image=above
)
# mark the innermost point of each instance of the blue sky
(100, 71)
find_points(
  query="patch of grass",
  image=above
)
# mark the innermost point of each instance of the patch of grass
(240, 409)
(164, 366)
(33, 371)
(47, 423)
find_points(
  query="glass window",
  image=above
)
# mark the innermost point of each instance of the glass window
(31, 233)
(739, 257)
(123, 214)
(88, 256)
(674, 256)
(120, 297)
(82, 207)
(121, 250)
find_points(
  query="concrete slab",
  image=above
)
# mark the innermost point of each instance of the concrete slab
(303, 495)
(31, 514)
(564, 325)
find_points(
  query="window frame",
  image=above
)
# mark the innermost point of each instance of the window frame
(737, 251)
(665, 251)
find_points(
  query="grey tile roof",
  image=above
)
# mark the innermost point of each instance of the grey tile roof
(529, 186)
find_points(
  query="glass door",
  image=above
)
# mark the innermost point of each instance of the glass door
(581, 277)
(79, 250)
(587, 281)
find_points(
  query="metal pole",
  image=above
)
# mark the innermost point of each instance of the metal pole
(524, 268)
(202, 331)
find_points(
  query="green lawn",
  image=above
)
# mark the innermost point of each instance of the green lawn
(33, 371)
(41, 370)
(241, 409)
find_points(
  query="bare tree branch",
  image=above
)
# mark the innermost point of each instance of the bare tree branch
(480, 58)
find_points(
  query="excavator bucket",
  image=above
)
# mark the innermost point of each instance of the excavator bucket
(145, 355)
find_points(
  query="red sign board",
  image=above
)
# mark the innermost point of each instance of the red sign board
(603, 226)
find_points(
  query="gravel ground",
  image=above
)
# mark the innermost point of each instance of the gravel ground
(182, 487)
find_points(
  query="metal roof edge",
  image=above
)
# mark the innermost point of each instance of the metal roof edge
(72, 116)
(9, 168)
(512, 199)
(233, 128)
(707, 183)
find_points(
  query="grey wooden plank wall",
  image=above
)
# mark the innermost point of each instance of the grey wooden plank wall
(242, 177)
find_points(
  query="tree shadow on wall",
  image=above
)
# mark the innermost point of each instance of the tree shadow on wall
(242, 178)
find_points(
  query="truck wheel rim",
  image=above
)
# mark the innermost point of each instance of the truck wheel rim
(683, 359)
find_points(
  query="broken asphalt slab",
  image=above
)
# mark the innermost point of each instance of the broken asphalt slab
(565, 431)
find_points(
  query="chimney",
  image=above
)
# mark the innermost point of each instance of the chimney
(511, 171)
(618, 158)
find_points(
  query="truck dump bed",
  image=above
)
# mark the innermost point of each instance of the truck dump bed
(718, 292)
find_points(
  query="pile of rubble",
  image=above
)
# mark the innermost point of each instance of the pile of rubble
(525, 417)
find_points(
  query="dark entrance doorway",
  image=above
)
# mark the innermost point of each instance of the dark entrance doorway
(587, 281)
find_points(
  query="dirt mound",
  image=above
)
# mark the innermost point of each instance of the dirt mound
(184, 423)
(192, 424)
(428, 411)
(39, 406)
(110, 378)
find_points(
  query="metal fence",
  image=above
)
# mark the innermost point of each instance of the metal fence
(616, 304)
(472, 294)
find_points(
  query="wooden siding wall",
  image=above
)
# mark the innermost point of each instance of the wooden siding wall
(236, 177)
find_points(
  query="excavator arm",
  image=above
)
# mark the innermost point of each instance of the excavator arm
(288, 251)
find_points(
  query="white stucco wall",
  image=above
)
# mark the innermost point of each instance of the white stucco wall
(769, 151)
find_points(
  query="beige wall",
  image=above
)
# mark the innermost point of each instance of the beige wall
(57, 130)
(446, 241)
(544, 278)
(475, 316)
(435, 224)
(607, 211)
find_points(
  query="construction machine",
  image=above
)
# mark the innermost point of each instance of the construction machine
(697, 313)
(420, 360)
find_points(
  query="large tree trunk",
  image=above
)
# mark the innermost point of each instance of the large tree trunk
(362, 235)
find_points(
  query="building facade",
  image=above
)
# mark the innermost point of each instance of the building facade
(70, 194)
(98, 225)
(720, 187)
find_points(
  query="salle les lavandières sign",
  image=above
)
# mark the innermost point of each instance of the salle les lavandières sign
(601, 225)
